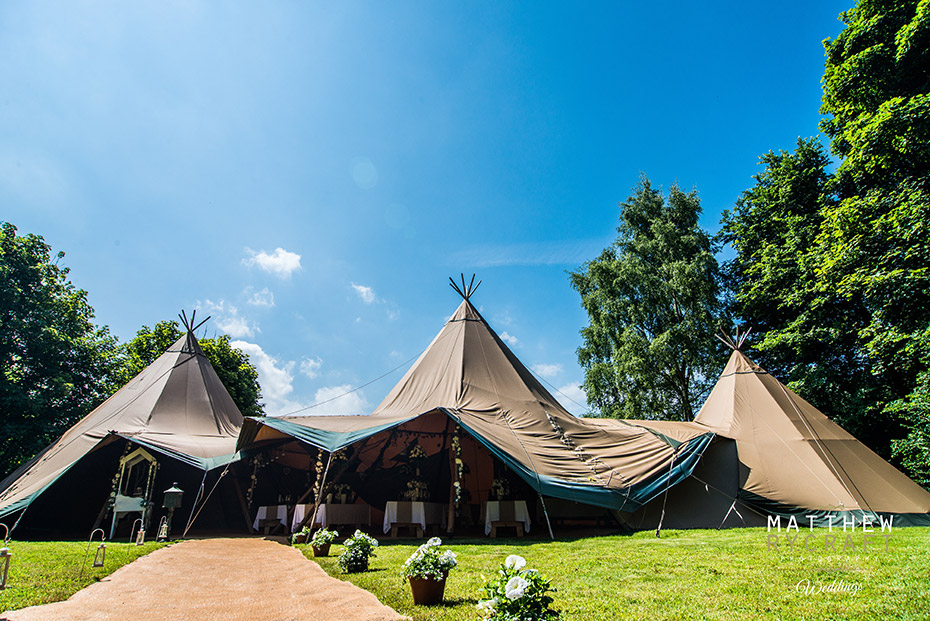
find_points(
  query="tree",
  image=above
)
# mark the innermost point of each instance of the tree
(800, 331)
(834, 271)
(232, 366)
(55, 364)
(653, 303)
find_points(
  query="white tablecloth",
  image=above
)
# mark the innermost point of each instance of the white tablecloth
(492, 513)
(421, 513)
(351, 514)
(270, 513)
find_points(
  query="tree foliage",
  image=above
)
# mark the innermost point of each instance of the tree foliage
(55, 364)
(653, 303)
(232, 365)
(833, 271)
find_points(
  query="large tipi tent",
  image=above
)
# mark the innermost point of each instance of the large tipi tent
(176, 408)
(776, 455)
(469, 377)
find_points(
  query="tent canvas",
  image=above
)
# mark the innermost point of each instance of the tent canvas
(176, 407)
(470, 376)
(776, 454)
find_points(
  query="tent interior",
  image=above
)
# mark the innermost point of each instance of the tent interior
(417, 461)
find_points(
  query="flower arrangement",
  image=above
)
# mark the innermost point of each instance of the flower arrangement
(500, 488)
(417, 490)
(417, 452)
(428, 562)
(356, 552)
(517, 593)
(300, 536)
(322, 537)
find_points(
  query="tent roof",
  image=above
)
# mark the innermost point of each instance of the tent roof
(177, 406)
(795, 455)
(469, 373)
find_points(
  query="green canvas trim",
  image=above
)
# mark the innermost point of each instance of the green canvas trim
(201, 463)
(330, 441)
(823, 518)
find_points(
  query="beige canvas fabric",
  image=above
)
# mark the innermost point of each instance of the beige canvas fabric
(794, 454)
(470, 374)
(176, 405)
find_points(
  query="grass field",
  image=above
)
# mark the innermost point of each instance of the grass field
(50, 571)
(730, 575)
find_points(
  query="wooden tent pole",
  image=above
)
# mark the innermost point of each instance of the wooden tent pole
(316, 501)
(546, 513)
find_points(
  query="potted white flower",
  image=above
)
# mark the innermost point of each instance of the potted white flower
(517, 593)
(356, 552)
(321, 541)
(427, 570)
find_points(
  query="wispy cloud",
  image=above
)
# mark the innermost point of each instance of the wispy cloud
(367, 294)
(573, 398)
(547, 370)
(509, 339)
(281, 263)
(337, 400)
(229, 320)
(263, 298)
(570, 253)
(311, 367)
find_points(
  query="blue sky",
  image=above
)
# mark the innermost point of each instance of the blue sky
(310, 174)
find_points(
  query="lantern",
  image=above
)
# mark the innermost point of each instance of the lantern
(101, 555)
(5, 556)
(140, 534)
(172, 498)
(163, 529)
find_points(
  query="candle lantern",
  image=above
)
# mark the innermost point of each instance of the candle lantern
(101, 555)
(5, 557)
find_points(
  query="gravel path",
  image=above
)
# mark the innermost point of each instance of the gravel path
(217, 579)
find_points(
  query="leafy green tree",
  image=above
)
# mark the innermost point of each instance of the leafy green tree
(55, 364)
(232, 366)
(834, 271)
(653, 303)
(801, 333)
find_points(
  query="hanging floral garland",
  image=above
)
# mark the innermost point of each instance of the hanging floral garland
(149, 486)
(459, 466)
(259, 461)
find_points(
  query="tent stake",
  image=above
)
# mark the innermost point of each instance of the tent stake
(546, 513)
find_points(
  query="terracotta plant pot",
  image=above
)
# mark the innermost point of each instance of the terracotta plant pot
(299, 538)
(322, 550)
(426, 591)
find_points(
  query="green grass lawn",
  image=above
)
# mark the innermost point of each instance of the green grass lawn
(50, 571)
(704, 574)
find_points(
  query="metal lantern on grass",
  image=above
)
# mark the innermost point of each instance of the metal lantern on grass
(100, 556)
(5, 556)
(170, 501)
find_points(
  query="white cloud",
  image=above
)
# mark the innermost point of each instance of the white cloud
(276, 378)
(547, 370)
(229, 320)
(509, 339)
(366, 293)
(236, 327)
(311, 367)
(281, 263)
(573, 398)
(261, 298)
(342, 403)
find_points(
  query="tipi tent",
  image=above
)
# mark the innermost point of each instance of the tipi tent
(776, 454)
(176, 408)
(468, 377)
